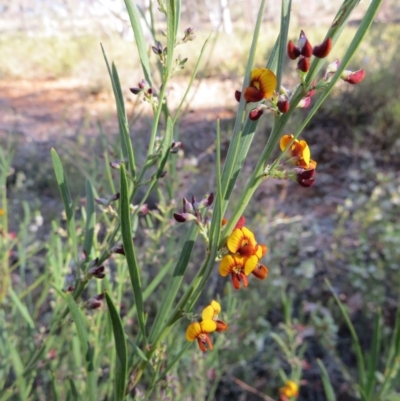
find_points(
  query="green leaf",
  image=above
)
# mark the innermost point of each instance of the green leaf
(90, 218)
(23, 310)
(74, 392)
(329, 392)
(283, 38)
(171, 33)
(175, 282)
(139, 38)
(87, 349)
(126, 143)
(215, 226)
(373, 357)
(130, 254)
(121, 366)
(66, 198)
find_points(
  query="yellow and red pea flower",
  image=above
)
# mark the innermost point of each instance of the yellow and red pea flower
(244, 257)
(299, 151)
(211, 312)
(289, 390)
(262, 85)
(200, 331)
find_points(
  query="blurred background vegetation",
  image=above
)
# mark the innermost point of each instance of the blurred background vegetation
(55, 91)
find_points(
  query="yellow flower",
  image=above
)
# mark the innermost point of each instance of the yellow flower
(299, 151)
(1, 212)
(211, 312)
(262, 85)
(290, 389)
(239, 268)
(242, 241)
(200, 331)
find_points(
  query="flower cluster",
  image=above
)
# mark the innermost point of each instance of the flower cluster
(209, 323)
(243, 256)
(300, 156)
(192, 210)
(304, 50)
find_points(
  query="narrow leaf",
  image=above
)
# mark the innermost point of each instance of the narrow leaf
(23, 310)
(329, 392)
(87, 349)
(121, 366)
(66, 198)
(139, 38)
(90, 219)
(130, 254)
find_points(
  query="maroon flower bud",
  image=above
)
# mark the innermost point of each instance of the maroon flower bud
(175, 147)
(142, 84)
(163, 174)
(135, 91)
(304, 45)
(292, 50)
(306, 183)
(238, 94)
(114, 197)
(95, 302)
(305, 178)
(303, 64)
(184, 217)
(255, 114)
(205, 202)
(353, 77)
(118, 249)
(157, 49)
(150, 91)
(283, 105)
(322, 50)
(96, 271)
(70, 288)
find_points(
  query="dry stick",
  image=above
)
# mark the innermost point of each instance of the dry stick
(252, 389)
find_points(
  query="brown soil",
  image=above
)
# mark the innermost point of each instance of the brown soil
(55, 109)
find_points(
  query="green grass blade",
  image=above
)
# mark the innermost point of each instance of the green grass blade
(393, 358)
(283, 36)
(329, 392)
(121, 366)
(90, 219)
(172, 8)
(139, 38)
(373, 357)
(215, 226)
(130, 254)
(87, 349)
(175, 281)
(74, 392)
(66, 198)
(126, 144)
(23, 310)
(356, 342)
